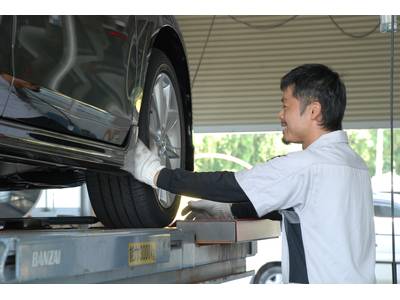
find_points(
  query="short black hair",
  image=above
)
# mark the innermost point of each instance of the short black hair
(317, 82)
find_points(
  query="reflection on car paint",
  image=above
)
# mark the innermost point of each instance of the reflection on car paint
(65, 115)
(74, 57)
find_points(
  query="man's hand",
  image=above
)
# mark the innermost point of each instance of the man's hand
(206, 209)
(143, 164)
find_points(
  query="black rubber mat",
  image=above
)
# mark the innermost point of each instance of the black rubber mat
(44, 222)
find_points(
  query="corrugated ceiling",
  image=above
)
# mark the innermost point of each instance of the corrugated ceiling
(237, 85)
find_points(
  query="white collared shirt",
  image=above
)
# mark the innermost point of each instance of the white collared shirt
(328, 186)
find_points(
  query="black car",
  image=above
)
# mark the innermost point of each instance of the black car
(76, 92)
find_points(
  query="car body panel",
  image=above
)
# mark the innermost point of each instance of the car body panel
(38, 146)
(71, 71)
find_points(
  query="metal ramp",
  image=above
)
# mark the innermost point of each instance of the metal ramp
(98, 255)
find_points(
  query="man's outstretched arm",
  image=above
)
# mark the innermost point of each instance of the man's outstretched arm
(216, 186)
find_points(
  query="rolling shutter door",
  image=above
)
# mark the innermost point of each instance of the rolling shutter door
(237, 84)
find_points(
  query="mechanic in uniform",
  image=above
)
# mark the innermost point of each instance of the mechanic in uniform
(323, 192)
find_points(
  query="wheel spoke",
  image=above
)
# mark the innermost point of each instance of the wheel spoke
(172, 112)
(164, 159)
(153, 132)
(167, 89)
(154, 110)
(172, 152)
(154, 122)
(167, 161)
(172, 120)
(160, 102)
(163, 195)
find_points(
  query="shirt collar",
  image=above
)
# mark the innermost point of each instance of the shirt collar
(338, 136)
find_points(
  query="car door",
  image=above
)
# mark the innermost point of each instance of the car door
(5, 59)
(70, 75)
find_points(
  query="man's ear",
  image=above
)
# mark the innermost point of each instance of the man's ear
(316, 113)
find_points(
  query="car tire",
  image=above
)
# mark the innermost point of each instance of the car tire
(120, 200)
(270, 273)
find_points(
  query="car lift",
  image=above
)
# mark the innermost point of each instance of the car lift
(87, 254)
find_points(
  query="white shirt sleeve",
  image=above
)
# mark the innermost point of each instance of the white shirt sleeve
(280, 183)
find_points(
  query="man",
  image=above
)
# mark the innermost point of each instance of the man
(323, 192)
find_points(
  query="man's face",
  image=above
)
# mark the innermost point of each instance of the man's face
(294, 125)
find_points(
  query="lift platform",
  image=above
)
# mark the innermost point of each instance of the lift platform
(191, 252)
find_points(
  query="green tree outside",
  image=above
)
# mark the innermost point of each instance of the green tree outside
(256, 148)
(396, 151)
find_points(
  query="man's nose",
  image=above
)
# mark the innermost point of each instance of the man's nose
(280, 115)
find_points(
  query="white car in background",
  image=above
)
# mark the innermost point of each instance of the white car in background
(267, 261)
(383, 233)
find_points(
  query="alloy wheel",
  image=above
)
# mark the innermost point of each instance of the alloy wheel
(165, 130)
